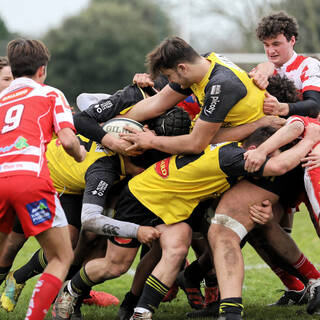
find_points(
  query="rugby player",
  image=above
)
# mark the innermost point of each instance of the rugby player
(279, 33)
(29, 115)
(152, 198)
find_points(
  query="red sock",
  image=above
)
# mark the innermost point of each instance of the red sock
(306, 268)
(45, 290)
(290, 281)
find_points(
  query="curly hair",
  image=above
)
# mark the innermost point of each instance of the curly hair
(277, 23)
(283, 89)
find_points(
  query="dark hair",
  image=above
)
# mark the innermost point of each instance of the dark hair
(4, 62)
(168, 54)
(277, 23)
(259, 136)
(26, 56)
(283, 89)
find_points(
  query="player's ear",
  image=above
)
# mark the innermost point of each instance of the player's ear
(252, 147)
(182, 67)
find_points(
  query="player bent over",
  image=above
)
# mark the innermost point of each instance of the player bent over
(30, 113)
(152, 198)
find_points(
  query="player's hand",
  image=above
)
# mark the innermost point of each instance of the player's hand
(273, 121)
(271, 106)
(82, 154)
(260, 79)
(141, 140)
(148, 234)
(311, 161)
(119, 146)
(261, 214)
(143, 80)
(254, 160)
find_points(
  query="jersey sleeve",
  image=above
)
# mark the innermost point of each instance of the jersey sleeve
(310, 75)
(106, 109)
(99, 178)
(232, 161)
(222, 92)
(62, 114)
(176, 87)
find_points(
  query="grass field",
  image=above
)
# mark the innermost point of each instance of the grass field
(260, 286)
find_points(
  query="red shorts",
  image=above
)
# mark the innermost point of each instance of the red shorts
(312, 185)
(33, 200)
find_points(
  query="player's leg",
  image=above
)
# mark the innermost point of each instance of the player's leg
(144, 268)
(175, 241)
(116, 262)
(229, 226)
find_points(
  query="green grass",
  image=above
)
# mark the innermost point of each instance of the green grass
(259, 287)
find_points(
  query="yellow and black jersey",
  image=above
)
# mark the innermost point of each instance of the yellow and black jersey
(226, 94)
(173, 187)
(73, 177)
(86, 122)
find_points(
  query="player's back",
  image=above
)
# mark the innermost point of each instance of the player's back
(29, 112)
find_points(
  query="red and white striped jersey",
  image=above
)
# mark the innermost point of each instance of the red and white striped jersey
(304, 120)
(303, 71)
(29, 114)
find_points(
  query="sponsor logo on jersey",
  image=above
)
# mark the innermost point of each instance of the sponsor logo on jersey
(214, 96)
(100, 189)
(162, 168)
(122, 240)
(16, 94)
(20, 143)
(39, 211)
(99, 107)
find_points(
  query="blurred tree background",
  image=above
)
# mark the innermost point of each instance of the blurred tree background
(100, 48)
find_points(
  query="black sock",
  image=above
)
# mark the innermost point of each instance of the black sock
(72, 271)
(130, 300)
(153, 293)
(81, 283)
(211, 280)
(3, 273)
(194, 272)
(231, 305)
(33, 267)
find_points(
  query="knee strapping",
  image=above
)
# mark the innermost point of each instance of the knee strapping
(230, 223)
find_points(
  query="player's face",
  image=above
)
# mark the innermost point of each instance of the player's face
(5, 77)
(279, 50)
(177, 77)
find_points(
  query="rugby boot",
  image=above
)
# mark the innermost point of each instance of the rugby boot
(291, 297)
(101, 299)
(143, 315)
(314, 296)
(11, 293)
(64, 305)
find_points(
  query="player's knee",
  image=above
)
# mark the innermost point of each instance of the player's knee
(175, 253)
(223, 225)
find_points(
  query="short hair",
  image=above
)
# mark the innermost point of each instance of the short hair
(26, 56)
(283, 89)
(259, 136)
(168, 54)
(277, 23)
(4, 62)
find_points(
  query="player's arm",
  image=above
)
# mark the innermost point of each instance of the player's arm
(195, 142)
(241, 132)
(255, 158)
(290, 158)
(71, 144)
(155, 105)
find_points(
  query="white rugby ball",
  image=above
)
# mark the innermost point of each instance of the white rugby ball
(116, 125)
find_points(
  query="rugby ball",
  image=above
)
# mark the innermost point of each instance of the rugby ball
(117, 125)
